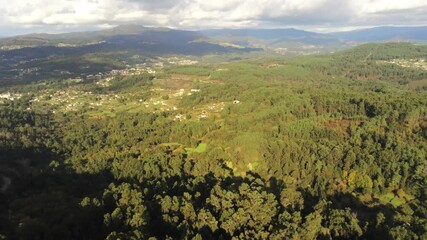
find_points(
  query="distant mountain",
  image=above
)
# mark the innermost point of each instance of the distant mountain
(383, 34)
(40, 56)
(284, 40)
(77, 38)
(296, 41)
(167, 40)
(126, 36)
(267, 34)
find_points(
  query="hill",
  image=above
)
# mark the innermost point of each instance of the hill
(112, 35)
(384, 34)
(287, 41)
(294, 41)
(157, 40)
(81, 54)
(40, 56)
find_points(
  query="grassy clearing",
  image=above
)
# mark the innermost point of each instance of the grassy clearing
(396, 202)
(191, 70)
(417, 84)
(391, 198)
(199, 149)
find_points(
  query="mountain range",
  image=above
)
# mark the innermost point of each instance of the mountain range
(243, 37)
(171, 41)
(40, 56)
(294, 40)
(127, 37)
(384, 34)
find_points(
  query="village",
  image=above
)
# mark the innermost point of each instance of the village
(418, 63)
(9, 96)
(164, 95)
(162, 98)
(21, 68)
(101, 105)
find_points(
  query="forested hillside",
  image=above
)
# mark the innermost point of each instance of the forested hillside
(316, 147)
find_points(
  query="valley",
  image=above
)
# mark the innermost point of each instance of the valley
(213, 120)
(219, 146)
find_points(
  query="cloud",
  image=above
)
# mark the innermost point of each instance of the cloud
(377, 6)
(210, 14)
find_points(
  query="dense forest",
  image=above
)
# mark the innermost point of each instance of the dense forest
(315, 147)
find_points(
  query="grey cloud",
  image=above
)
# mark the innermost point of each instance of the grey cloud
(66, 10)
(415, 16)
(198, 14)
(332, 11)
(157, 5)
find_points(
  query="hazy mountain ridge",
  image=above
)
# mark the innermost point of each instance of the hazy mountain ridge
(245, 37)
(292, 40)
(81, 38)
(382, 34)
(285, 40)
(123, 38)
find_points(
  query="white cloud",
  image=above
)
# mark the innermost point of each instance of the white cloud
(217, 13)
(377, 6)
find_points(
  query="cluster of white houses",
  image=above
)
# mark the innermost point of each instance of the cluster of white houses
(10, 96)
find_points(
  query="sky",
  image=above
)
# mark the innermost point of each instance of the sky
(53, 16)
